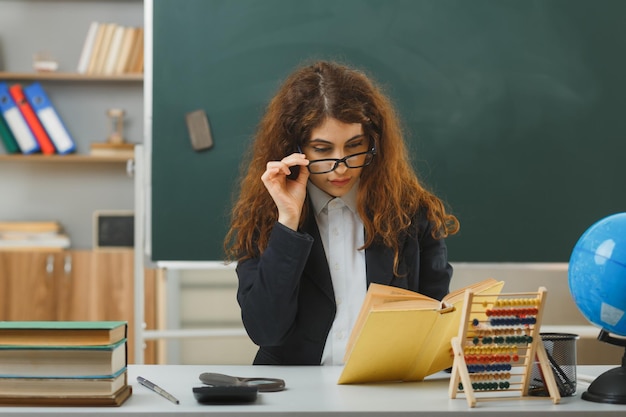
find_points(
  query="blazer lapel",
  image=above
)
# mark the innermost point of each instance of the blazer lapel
(317, 264)
(378, 261)
(378, 264)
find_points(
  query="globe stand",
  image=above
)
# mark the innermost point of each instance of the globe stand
(609, 387)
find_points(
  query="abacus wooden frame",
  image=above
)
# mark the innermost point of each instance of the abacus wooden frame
(534, 349)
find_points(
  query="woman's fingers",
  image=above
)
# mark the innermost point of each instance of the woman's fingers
(284, 167)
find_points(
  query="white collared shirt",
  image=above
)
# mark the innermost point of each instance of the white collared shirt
(342, 233)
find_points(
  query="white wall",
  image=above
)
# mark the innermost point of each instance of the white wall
(207, 300)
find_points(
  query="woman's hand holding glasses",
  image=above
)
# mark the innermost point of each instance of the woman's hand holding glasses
(288, 194)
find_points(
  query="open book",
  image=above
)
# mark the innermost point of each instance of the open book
(401, 335)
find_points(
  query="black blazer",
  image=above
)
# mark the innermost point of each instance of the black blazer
(286, 295)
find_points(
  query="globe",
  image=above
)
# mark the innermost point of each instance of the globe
(597, 274)
(597, 282)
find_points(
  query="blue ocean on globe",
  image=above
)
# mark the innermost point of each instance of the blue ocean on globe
(597, 274)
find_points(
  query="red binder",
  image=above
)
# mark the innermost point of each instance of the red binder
(31, 118)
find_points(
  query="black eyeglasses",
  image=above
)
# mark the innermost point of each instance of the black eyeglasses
(356, 160)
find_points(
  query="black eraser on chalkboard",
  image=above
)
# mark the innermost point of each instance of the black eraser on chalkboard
(199, 130)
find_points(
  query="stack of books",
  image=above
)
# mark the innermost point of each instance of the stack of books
(69, 363)
(29, 235)
(29, 123)
(111, 49)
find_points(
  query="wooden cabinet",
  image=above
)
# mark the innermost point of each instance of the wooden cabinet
(28, 285)
(74, 285)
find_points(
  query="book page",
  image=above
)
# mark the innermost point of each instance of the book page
(376, 295)
(457, 296)
(417, 304)
(386, 346)
(436, 352)
(447, 327)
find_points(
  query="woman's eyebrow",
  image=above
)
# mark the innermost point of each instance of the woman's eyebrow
(360, 135)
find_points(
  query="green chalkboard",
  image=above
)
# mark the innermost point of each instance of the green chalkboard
(515, 110)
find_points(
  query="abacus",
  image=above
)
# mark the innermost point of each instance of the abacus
(497, 345)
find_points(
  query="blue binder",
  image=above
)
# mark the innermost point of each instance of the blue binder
(16, 122)
(49, 118)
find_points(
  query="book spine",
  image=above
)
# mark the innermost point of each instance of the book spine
(12, 115)
(50, 119)
(136, 60)
(85, 56)
(104, 48)
(114, 50)
(125, 50)
(31, 118)
(97, 46)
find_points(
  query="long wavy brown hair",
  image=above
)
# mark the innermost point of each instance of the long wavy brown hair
(389, 193)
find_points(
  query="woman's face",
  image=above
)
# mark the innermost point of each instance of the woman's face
(335, 139)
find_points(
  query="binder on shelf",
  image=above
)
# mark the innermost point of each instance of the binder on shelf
(7, 138)
(50, 119)
(16, 122)
(45, 145)
(85, 55)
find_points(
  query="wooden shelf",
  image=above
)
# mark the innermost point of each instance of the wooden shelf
(63, 159)
(68, 76)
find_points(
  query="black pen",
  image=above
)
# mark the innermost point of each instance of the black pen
(153, 387)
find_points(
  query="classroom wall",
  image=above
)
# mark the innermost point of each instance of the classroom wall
(207, 300)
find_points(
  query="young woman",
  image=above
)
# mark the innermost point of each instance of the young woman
(328, 205)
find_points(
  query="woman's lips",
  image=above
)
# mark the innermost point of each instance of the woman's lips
(340, 182)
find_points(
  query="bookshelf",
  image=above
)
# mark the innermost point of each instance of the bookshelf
(40, 184)
(67, 76)
(62, 159)
(70, 188)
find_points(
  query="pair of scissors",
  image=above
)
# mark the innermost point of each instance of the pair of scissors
(222, 380)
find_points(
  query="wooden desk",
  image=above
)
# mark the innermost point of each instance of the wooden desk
(314, 391)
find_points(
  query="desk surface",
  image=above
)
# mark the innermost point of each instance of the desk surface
(314, 390)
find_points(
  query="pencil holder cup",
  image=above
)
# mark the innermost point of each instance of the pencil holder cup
(561, 352)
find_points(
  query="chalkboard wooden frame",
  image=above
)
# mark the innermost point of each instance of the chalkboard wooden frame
(513, 110)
